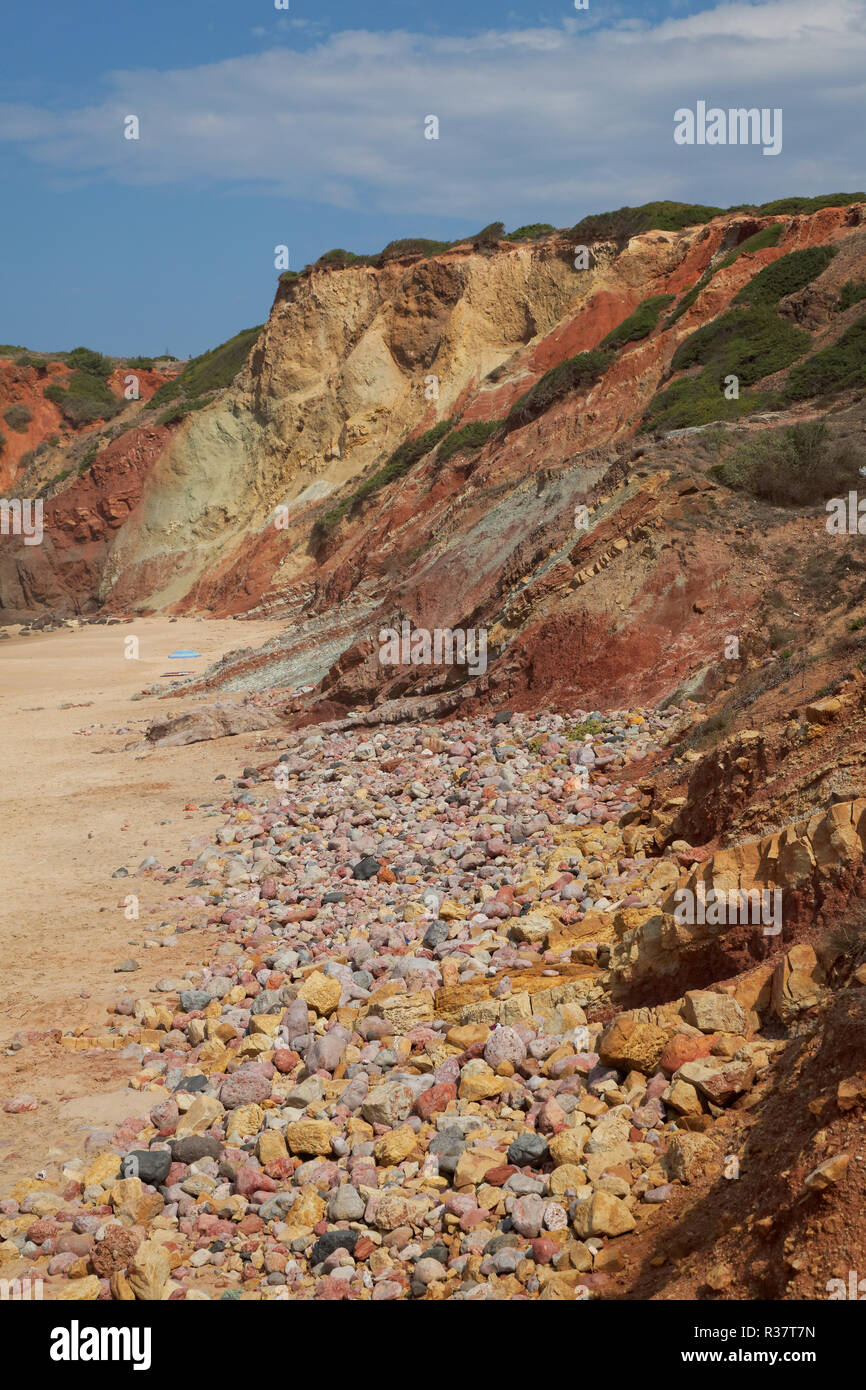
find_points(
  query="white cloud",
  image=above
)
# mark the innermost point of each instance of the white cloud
(547, 121)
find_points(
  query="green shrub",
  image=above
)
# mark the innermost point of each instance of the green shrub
(18, 417)
(412, 246)
(639, 324)
(628, 222)
(86, 360)
(216, 369)
(27, 359)
(210, 372)
(574, 374)
(786, 276)
(180, 410)
(852, 292)
(758, 241)
(489, 235)
(795, 466)
(688, 299)
(168, 391)
(410, 452)
(792, 206)
(143, 364)
(173, 415)
(88, 459)
(2, 441)
(54, 393)
(337, 259)
(749, 343)
(695, 401)
(531, 232)
(85, 399)
(834, 369)
(471, 436)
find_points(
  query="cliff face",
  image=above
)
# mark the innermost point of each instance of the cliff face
(218, 514)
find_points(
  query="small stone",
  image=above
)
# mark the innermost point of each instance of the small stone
(828, 1173)
(602, 1215)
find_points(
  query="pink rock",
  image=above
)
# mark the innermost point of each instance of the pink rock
(504, 1045)
(435, 1100)
(252, 1180)
(19, 1104)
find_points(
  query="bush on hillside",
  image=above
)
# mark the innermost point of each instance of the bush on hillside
(852, 292)
(574, 374)
(410, 452)
(338, 259)
(786, 276)
(471, 436)
(695, 401)
(749, 343)
(210, 372)
(85, 398)
(27, 359)
(796, 466)
(758, 241)
(84, 359)
(836, 368)
(18, 417)
(142, 364)
(640, 323)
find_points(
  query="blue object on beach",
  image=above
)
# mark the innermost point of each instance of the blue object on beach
(178, 655)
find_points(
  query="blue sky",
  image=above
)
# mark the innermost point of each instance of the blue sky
(305, 127)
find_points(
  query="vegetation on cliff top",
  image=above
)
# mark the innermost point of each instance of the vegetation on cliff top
(619, 225)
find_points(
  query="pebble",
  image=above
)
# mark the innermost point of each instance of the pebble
(362, 1027)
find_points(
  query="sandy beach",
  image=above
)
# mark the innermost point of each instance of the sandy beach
(80, 800)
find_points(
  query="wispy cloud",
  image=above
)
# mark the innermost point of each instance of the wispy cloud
(550, 118)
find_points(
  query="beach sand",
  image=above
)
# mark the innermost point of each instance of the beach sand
(76, 807)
